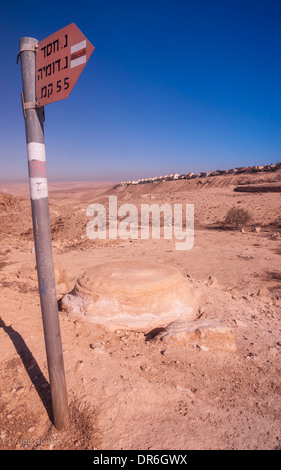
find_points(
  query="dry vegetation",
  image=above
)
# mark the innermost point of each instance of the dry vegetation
(237, 217)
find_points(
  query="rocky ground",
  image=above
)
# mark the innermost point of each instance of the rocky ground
(134, 390)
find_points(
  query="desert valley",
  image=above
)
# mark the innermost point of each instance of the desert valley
(142, 389)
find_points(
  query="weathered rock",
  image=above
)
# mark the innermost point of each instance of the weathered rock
(132, 296)
(205, 334)
(263, 292)
(212, 281)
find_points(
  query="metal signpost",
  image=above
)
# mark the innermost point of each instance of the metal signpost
(50, 70)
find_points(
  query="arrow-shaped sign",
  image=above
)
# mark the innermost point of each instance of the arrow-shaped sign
(60, 59)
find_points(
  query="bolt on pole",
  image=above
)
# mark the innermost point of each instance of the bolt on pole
(34, 126)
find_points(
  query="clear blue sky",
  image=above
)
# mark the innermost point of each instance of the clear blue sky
(172, 86)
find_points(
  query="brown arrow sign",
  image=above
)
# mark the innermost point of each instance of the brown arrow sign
(60, 60)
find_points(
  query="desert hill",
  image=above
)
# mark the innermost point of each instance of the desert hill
(220, 181)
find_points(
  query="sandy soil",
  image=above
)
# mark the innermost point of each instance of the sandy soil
(126, 391)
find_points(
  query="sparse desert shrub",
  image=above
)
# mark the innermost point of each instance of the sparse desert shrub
(237, 217)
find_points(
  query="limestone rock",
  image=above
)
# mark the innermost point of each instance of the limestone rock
(133, 296)
(205, 334)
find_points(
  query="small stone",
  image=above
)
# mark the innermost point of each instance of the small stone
(201, 312)
(241, 324)
(188, 392)
(206, 335)
(78, 366)
(273, 351)
(31, 429)
(263, 291)
(119, 333)
(97, 346)
(212, 281)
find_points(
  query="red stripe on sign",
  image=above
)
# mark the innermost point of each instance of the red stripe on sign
(37, 169)
(77, 54)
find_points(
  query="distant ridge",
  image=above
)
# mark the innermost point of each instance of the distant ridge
(236, 180)
(189, 176)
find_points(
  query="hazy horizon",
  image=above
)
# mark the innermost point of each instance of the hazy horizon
(74, 179)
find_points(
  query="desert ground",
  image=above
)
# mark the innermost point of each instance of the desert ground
(126, 390)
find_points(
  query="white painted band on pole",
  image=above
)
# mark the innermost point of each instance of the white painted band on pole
(38, 188)
(78, 46)
(36, 151)
(78, 61)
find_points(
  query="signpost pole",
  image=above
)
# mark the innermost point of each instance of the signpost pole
(34, 118)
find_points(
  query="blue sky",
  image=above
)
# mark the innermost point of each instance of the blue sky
(172, 86)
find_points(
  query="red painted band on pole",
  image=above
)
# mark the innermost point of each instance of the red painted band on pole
(37, 169)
